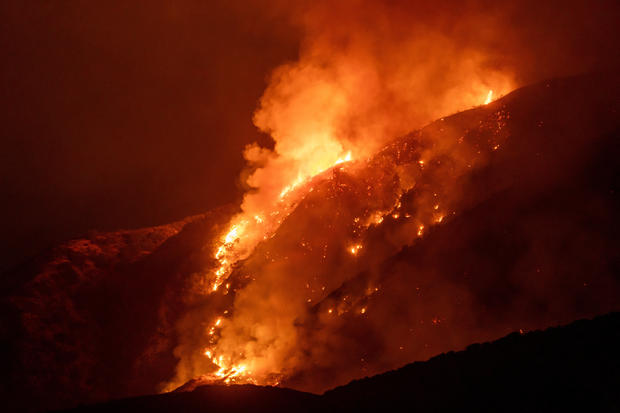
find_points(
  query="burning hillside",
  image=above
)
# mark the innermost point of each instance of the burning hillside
(279, 269)
(287, 287)
(462, 231)
(357, 185)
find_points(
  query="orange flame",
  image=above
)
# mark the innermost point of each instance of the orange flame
(489, 97)
(325, 110)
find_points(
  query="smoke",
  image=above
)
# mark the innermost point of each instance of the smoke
(370, 71)
(367, 72)
(306, 257)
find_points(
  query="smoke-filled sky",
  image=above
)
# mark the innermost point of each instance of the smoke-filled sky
(122, 114)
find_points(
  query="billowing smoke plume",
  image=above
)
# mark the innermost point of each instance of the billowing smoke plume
(367, 72)
(305, 259)
(371, 71)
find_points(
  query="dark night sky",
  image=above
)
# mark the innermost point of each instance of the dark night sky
(117, 115)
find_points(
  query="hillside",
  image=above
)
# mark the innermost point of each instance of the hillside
(493, 220)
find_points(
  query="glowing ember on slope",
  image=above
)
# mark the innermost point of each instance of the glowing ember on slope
(355, 249)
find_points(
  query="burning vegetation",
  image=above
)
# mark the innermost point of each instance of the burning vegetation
(359, 245)
(337, 195)
(313, 201)
(295, 286)
(277, 268)
(374, 262)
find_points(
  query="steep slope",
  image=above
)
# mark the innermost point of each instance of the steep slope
(524, 236)
(488, 221)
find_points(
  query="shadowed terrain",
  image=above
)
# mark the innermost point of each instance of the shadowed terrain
(559, 369)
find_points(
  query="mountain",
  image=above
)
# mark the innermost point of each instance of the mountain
(363, 275)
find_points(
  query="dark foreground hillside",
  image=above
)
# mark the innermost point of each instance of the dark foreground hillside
(559, 369)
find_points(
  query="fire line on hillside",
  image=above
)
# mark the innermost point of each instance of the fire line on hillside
(375, 186)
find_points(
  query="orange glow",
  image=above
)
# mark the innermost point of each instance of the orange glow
(237, 355)
(327, 110)
(355, 249)
(249, 228)
(347, 158)
(489, 97)
(226, 372)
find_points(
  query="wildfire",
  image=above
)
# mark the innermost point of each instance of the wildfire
(227, 373)
(489, 97)
(355, 249)
(224, 251)
(290, 187)
(347, 158)
(231, 345)
(245, 232)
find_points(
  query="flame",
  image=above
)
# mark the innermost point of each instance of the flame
(322, 112)
(239, 362)
(347, 158)
(355, 249)
(247, 229)
(489, 97)
(228, 373)
(244, 232)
